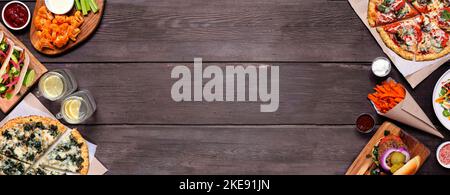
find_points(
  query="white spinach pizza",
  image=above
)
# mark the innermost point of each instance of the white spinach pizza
(41, 146)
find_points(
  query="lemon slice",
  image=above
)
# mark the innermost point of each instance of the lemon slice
(53, 86)
(72, 109)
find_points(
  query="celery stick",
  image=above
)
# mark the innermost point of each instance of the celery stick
(88, 7)
(83, 7)
(94, 4)
(78, 4)
(93, 7)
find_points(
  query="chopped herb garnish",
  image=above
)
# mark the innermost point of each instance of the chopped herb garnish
(445, 15)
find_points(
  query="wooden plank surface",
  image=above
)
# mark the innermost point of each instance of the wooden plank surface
(167, 149)
(323, 84)
(217, 30)
(140, 93)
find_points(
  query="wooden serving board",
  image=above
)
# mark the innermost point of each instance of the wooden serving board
(91, 22)
(38, 67)
(363, 163)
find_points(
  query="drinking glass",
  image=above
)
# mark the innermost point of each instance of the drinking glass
(57, 84)
(77, 108)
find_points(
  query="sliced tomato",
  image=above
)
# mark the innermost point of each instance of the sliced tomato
(418, 33)
(389, 138)
(444, 40)
(392, 28)
(399, 4)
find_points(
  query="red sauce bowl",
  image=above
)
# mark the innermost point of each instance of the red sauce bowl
(16, 15)
(365, 123)
(443, 154)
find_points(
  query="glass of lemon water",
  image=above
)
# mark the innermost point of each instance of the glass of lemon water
(57, 84)
(78, 107)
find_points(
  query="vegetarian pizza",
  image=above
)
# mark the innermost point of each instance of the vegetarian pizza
(419, 33)
(386, 11)
(41, 146)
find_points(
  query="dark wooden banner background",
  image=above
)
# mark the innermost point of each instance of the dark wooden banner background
(324, 53)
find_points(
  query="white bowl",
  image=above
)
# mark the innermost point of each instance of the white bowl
(70, 3)
(6, 23)
(437, 154)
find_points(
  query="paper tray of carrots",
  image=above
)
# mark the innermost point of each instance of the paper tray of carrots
(387, 95)
(391, 99)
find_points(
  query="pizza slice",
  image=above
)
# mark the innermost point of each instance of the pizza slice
(43, 171)
(9, 166)
(441, 17)
(27, 138)
(382, 12)
(70, 154)
(425, 6)
(403, 36)
(434, 42)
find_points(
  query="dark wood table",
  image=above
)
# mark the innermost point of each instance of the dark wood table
(323, 51)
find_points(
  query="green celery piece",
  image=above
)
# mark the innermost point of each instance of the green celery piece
(83, 7)
(78, 4)
(94, 3)
(88, 7)
(93, 7)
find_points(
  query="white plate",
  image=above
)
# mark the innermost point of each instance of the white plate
(437, 107)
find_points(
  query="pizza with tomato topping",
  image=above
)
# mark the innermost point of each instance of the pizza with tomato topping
(383, 12)
(414, 29)
(441, 17)
(403, 36)
(434, 42)
(425, 6)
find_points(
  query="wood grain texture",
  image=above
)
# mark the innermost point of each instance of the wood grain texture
(90, 24)
(174, 149)
(217, 30)
(415, 148)
(126, 64)
(5, 104)
(140, 93)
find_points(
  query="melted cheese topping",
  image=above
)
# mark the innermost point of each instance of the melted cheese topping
(65, 156)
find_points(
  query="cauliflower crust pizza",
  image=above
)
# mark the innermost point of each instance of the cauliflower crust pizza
(37, 145)
(416, 30)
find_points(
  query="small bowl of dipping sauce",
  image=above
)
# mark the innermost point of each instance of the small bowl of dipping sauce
(16, 15)
(365, 123)
(443, 154)
(381, 67)
(59, 6)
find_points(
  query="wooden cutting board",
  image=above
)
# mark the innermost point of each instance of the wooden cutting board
(38, 67)
(363, 163)
(91, 22)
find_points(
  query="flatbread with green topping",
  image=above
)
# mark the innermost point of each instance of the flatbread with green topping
(70, 154)
(27, 138)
